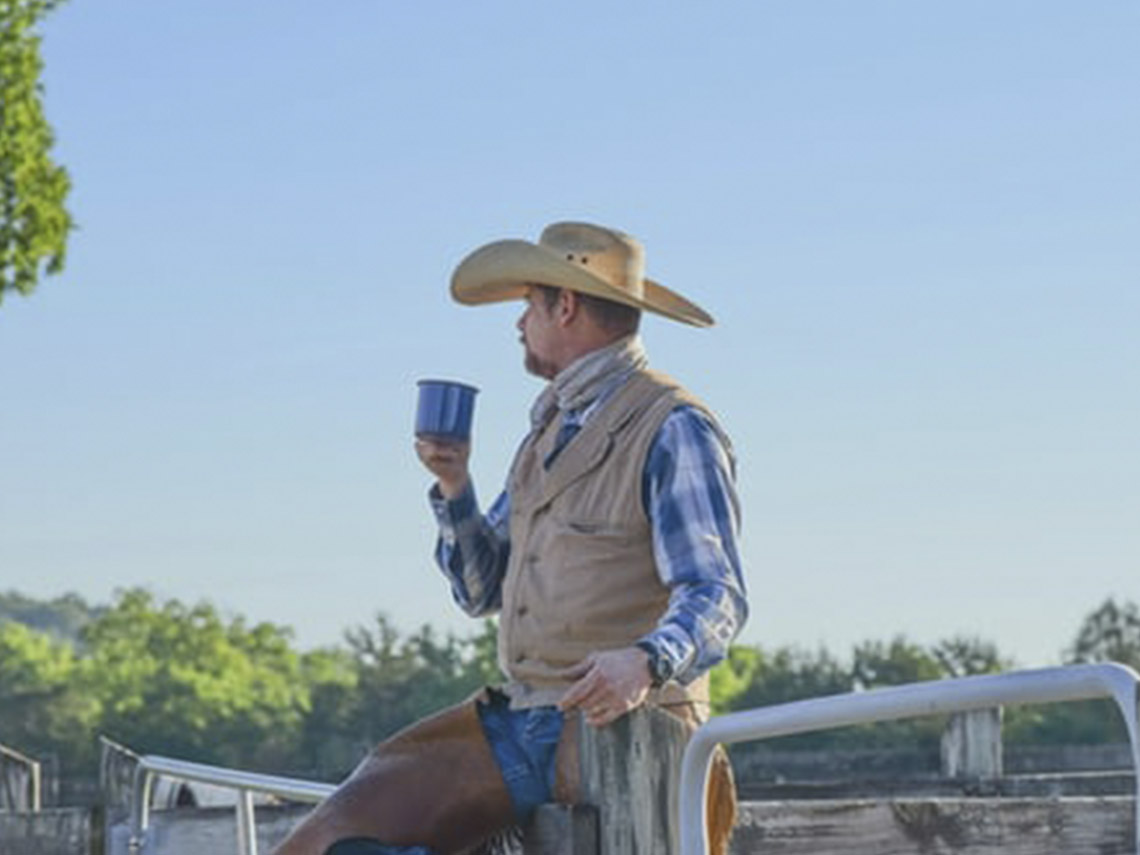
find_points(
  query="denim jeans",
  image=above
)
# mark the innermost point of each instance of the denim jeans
(524, 743)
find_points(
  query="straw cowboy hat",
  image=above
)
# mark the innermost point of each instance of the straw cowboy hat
(581, 257)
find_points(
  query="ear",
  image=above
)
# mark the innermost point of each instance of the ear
(568, 307)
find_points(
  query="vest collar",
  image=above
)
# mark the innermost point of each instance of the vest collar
(593, 443)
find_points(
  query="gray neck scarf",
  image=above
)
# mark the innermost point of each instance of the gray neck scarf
(579, 383)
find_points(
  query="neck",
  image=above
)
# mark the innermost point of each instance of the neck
(580, 382)
(582, 347)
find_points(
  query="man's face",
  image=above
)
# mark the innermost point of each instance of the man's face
(539, 329)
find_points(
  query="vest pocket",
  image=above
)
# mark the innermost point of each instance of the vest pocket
(591, 528)
(571, 527)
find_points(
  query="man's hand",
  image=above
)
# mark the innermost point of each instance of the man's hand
(609, 685)
(447, 461)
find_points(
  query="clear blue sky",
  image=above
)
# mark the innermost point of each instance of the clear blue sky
(916, 223)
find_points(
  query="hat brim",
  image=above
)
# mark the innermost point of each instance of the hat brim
(503, 270)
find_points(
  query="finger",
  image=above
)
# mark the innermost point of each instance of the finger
(580, 674)
(581, 669)
(601, 716)
(439, 464)
(582, 694)
(439, 446)
(451, 449)
(577, 696)
(434, 451)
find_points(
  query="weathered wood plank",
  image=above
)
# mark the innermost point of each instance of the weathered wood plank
(1079, 826)
(1101, 826)
(562, 830)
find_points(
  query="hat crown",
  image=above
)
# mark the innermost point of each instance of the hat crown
(612, 256)
(580, 257)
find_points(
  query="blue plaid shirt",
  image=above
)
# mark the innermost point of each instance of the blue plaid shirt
(690, 499)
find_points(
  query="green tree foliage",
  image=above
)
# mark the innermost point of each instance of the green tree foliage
(328, 744)
(964, 656)
(790, 674)
(891, 664)
(401, 680)
(382, 683)
(1110, 633)
(34, 224)
(731, 679)
(44, 709)
(180, 679)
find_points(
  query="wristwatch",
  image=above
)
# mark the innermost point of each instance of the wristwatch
(660, 667)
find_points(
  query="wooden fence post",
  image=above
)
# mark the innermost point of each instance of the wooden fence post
(629, 776)
(559, 829)
(971, 745)
(630, 773)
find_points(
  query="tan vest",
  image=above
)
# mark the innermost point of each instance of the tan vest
(581, 576)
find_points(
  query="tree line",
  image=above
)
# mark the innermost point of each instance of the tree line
(165, 677)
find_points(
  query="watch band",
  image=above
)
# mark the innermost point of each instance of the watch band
(660, 668)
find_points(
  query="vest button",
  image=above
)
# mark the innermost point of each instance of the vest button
(522, 610)
(520, 657)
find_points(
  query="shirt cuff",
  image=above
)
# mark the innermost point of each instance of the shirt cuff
(674, 645)
(452, 512)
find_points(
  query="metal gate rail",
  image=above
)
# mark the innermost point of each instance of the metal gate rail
(34, 781)
(1045, 685)
(245, 784)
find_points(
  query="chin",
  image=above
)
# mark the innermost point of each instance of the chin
(539, 367)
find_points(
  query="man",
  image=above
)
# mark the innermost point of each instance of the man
(611, 557)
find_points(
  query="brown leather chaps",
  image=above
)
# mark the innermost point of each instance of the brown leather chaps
(434, 784)
(437, 784)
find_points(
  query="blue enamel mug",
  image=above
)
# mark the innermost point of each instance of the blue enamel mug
(444, 410)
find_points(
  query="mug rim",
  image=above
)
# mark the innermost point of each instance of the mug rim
(433, 381)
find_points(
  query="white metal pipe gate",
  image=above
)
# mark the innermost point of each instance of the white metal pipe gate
(1046, 685)
(245, 784)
